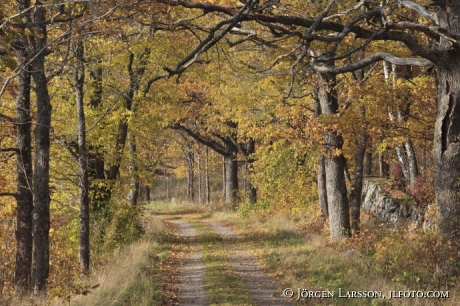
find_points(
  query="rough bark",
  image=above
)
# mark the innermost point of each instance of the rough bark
(334, 164)
(41, 211)
(24, 198)
(83, 181)
(447, 129)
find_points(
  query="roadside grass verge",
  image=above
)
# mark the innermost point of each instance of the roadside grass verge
(299, 255)
(132, 275)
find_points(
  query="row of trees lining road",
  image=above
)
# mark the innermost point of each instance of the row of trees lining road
(295, 92)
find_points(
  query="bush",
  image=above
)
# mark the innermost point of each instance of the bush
(118, 226)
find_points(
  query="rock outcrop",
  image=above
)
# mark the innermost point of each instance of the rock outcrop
(396, 209)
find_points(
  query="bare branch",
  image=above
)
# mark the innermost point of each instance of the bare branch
(7, 118)
(372, 59)
(15, 150)
(420, 9)
(353, 8)
(8, 194)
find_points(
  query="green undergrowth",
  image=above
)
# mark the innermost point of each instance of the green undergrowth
(222, 283)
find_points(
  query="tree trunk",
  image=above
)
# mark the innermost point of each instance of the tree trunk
(447, 129)
(411, 162)
(224, 188)
(24, 198)
(368, 163)
(252, 194)
(322, 193)
(41, 211)
(198, 165)
(133, 195)
(207, 185)
(100, 192)
(321, 172)
(337, 200)
(135, 75)
(383, 166)
(190, 177)
(355, 197)
(83, 182)
(147, 194)
(231, 179)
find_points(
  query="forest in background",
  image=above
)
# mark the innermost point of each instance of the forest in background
(262, 107)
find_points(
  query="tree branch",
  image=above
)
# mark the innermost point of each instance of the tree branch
(420, 9)
(15, 150)
(214, 145)
(381, 56)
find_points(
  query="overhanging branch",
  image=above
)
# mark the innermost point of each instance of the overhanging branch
(381, 56)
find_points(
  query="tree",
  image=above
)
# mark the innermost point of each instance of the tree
(24, 196)
(83, 181)
(41, 211)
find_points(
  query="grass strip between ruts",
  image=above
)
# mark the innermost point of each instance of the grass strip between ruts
(223, 285)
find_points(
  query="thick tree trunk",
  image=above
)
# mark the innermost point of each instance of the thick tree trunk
(447, 133)
(231, 179)
(83, 181)
(334, 165)
(24, 198)
(41, 211)
(337, 200)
